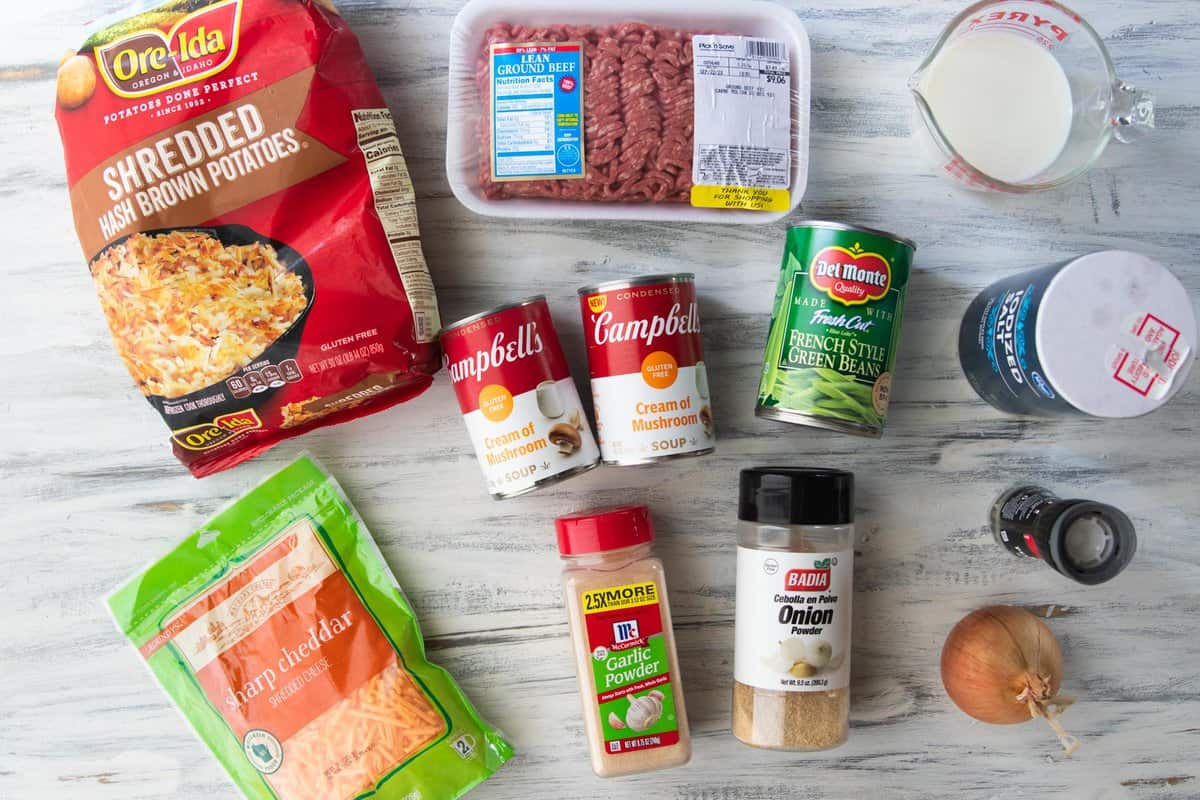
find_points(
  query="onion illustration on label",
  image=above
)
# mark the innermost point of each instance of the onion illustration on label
(802, 658)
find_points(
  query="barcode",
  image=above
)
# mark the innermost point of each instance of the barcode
(761, 48)
(422, 325)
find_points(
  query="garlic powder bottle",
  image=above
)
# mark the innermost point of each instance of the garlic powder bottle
(616, 598)
(795, 583)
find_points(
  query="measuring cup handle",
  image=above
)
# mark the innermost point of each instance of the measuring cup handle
(1132, 112)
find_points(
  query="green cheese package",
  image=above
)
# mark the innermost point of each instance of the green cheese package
(280, 633)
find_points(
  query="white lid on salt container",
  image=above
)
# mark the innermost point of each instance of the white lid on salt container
(1116, 334)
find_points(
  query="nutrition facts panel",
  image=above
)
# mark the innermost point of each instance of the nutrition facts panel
(743, 112)
(537, 111)
(395, 203)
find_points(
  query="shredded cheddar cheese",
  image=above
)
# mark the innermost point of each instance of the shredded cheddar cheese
(280, 615)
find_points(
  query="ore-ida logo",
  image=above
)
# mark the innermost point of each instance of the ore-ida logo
(208, 435)
(150, 61)
(851, 276)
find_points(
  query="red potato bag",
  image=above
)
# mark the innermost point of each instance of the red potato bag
(248, 219)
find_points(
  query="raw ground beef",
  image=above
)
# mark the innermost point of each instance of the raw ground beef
(639, 124)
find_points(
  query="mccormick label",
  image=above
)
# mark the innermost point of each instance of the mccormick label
(517, 397)
(792, 624)
(1015, 518)
(629, 662)
(831, 350)
(649, 383)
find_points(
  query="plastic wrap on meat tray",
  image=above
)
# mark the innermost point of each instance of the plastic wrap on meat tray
(589, 111)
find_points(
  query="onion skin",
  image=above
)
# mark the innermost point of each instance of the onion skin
(999, 659)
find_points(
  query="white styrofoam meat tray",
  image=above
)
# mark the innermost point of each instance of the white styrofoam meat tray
(745, 18)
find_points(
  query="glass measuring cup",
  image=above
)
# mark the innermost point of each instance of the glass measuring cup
(1102, 105)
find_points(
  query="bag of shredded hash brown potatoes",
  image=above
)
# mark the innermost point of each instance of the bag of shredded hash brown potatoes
(281, 634)
(248, 220)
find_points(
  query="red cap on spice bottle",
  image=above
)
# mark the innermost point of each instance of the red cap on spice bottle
(606, 529)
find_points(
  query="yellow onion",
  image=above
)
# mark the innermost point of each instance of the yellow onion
(1002, 665)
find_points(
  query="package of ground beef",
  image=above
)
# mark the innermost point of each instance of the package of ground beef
(672, 110)
(248, 220)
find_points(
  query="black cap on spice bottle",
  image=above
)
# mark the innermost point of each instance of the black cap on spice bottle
(796, 496)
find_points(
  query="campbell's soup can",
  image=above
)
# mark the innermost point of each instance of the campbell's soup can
(649, 384)
(518, 399)
(1111, 334)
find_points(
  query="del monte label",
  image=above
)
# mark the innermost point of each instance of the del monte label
(851, 276)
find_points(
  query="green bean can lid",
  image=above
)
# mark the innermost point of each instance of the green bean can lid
(841, 226)
(796, 496)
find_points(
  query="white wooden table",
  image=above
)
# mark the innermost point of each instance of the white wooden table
(90, 491)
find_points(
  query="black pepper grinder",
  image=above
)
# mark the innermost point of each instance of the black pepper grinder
(1086, 541)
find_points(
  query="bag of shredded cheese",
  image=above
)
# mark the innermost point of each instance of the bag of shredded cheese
(281, 634)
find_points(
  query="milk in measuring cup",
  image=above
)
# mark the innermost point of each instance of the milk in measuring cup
(1003, 101)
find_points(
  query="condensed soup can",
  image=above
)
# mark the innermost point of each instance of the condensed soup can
(649, 383)
(831, 347)
(518, 399)
(1111, 334)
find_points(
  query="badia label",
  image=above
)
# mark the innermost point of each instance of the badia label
(792, 625)
(631, 669)
(831, 349)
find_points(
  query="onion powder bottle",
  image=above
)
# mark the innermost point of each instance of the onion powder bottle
(795, 576)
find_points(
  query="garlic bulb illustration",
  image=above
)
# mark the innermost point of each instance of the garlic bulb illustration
(644, 711)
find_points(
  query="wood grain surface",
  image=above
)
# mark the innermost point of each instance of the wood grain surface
(90, 491)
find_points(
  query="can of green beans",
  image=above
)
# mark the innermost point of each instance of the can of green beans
(831, 349)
